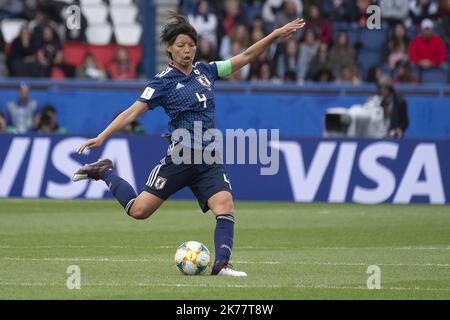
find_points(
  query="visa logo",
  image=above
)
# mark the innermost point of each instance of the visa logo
(43, 155)
(422, 176)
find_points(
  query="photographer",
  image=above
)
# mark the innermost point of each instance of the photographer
(395, 109)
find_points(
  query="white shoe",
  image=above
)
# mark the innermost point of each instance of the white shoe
(223, 268)
(231, 273)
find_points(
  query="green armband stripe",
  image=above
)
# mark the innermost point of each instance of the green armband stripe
(223, 68)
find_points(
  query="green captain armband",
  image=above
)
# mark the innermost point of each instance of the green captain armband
(223, 68)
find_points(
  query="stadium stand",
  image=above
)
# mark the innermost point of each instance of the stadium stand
(111, 24)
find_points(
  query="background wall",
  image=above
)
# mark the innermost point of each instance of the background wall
(86, 108)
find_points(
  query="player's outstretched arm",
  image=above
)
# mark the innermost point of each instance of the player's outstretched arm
(122, 120)
(259, 47)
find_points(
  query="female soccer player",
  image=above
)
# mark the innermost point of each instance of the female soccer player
(185, 92)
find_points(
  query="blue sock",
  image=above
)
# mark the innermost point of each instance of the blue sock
(121, 189)
(223, 237)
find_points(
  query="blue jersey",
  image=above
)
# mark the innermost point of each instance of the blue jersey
(185, 98)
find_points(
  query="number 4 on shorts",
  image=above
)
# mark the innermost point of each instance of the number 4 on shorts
(227, 181)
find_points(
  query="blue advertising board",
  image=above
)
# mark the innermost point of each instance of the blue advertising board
(305, 170)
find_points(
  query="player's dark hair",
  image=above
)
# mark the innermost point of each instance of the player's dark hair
(178, 25)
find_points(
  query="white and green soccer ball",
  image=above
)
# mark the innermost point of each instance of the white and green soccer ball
(192, 258)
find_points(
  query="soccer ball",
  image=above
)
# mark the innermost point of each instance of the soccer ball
(192, 258)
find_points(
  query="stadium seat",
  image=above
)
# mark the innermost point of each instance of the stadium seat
(57, 74)
(90, 2)
(434, 75)
(95, 14)
(120, 2)
(123, 14)
(366, 59)
(10, 28)
(99, 34)
(135, 53)
(74, 53)
(103, 54)
(128, 35)
(352, 32)
(371, 39)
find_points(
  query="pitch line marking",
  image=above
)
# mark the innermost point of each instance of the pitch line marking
(199, 285)
(406, 248)
(326, 263)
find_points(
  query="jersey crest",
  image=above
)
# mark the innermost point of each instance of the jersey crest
(204, 81)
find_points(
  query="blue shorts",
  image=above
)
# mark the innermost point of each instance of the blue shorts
(204, 180)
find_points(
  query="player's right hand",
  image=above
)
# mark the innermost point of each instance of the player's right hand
(91, 143)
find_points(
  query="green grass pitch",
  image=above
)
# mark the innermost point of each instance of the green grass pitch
(289, 250)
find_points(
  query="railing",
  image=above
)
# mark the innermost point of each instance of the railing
(238, 87)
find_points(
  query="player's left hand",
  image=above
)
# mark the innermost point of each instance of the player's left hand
(91, 143)
(287, 30)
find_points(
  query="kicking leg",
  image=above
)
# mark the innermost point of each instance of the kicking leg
(138, 207)
(144, 205)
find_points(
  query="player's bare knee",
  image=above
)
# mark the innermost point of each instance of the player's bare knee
(224, 206)
(140, 213)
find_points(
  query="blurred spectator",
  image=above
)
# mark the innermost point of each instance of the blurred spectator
(374, 74)
(421, 10)
(362, 6)
(443, 8)
(319, 24)
(205, 52)
(255, 66)
(230, 17)
(324, 75)
(290, 76)
(243, 73)
(403, 73)
(341, 53)
(49, 53)
(22, 111)
(427, 50)
(205, 22)
(21, 59)
(37, 25)
(89, 69)
(254, 9)
(397, 46)
(257, 24)
(46, 121)
(266, 73)
(289, 11)
(443, 25)
(394, 11)
(239, 34)
(275, 12)
(288, 61)
(3, 69)
(349, 75)
(308, 50)
(395, 109)
(340, 10)
(319, 62)
(122, 68)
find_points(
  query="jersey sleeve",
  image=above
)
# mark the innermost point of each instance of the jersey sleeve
(212, 70)
(153, 94)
